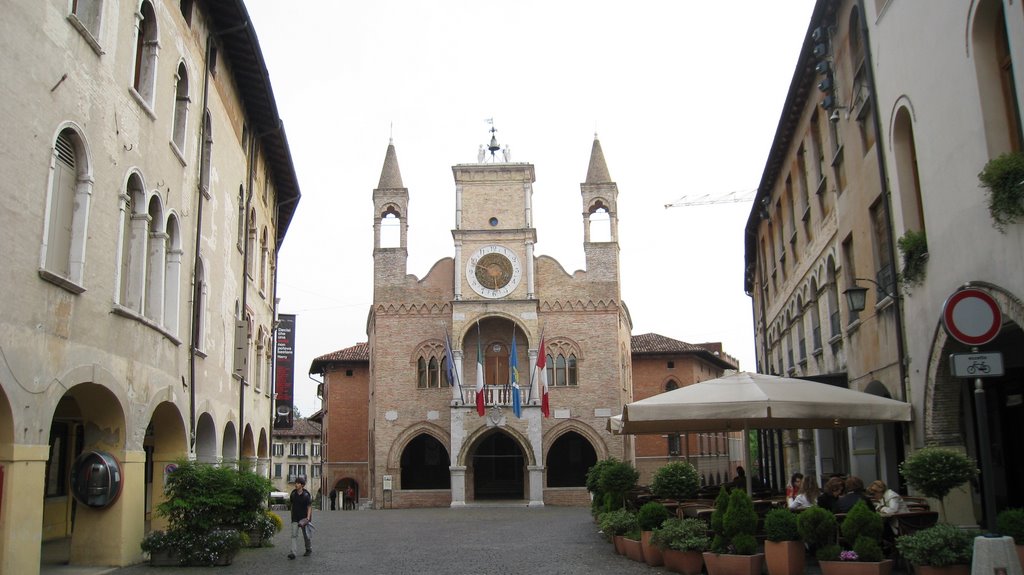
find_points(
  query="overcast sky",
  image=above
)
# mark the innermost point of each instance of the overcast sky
(685, 97)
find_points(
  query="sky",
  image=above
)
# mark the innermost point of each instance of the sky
(685, 97)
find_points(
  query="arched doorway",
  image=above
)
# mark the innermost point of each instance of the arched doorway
(346, 493)
(569, 458)
(499, 467)
(425, 464)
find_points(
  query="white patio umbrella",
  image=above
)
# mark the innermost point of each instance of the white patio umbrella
(745, 401)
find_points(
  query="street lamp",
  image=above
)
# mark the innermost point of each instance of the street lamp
(856, 296)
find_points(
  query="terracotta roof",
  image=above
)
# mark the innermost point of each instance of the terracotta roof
(654, 344)
(301, 427)
(358, 353)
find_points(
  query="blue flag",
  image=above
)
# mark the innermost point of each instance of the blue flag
(513, 364)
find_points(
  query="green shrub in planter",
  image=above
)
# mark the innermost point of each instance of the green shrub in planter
(862, 521)
(1003, 177)
(938, 546)
(1010, 522)
(720, 541)
(828, 552)
(618, 522)
(780, 525)
(935, 471)
(651, 515)
(593, 482)
(743, 544)
(689, 534)
(675, 480)
(817, 527)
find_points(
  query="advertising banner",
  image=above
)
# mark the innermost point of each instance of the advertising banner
(284, 375)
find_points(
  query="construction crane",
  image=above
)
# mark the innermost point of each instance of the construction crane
(709, 199)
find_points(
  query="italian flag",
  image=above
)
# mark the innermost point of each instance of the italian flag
(479, 374)
(542, 362)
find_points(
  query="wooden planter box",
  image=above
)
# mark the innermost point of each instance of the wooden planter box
(785, 557)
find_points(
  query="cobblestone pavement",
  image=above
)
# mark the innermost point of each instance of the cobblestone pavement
(473, 540)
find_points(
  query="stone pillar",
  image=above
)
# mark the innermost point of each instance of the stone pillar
(458, 397)
(536, 485)
(24, 468)
(530, 289)
(458, 485)
(111, 536)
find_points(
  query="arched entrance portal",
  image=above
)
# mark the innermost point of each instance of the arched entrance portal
(425, 464)
(569, 458)
(498, 468)
(346, 493)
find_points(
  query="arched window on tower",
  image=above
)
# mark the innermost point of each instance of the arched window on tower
(147, 42)
(600, 224)
(181, 102)
(391, 229)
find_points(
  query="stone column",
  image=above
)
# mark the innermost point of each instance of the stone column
(24, 468)
(536, 485)
(458, 485)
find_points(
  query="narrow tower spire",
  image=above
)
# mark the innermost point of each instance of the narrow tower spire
(390, 175)
(597, 173)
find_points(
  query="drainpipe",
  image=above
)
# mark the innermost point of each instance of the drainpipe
(884, 181)
(196, 288)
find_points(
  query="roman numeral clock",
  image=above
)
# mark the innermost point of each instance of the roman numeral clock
(493, 271)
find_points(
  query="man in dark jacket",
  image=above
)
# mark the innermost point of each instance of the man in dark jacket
(854, 493)
(302, 513)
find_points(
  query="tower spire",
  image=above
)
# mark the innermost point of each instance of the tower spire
(597, 173)
(390, 175)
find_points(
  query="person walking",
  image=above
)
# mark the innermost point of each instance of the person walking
(302, 514)
(334, 498)
(350, 497)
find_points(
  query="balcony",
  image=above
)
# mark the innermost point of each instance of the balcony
(497, 395)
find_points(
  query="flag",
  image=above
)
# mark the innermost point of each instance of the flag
(479, 373)
(513, 364)
(450, 367)
(542, 362)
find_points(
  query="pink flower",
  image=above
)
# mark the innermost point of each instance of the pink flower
(848, 556)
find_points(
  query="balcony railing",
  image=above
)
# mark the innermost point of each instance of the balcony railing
(496, 395)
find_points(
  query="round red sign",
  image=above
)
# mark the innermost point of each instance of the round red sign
(972, 317)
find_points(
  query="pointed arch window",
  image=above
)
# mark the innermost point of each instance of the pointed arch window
(815, 319)
(263, 261)
(801, 336)
(156, 255)
(241, 218)
(391, 229)
(181, 104)
(172, 276)
(66, 227)
(147, 44)
(133, 245)
(250, 251)
(431, 366)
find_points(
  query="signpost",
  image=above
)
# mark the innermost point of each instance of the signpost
(972, 317)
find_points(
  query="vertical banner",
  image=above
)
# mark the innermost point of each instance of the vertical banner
(284, 376)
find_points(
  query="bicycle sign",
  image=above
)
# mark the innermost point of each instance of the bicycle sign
(976, 364)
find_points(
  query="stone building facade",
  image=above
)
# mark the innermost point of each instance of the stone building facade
(874, 152)
(295, 453)
(148, 188)
(410, 432)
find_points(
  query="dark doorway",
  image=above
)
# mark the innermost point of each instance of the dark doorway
(425, 464)
(498, 468)
(569, 459)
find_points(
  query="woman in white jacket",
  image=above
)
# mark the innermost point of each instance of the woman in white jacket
(887, 501)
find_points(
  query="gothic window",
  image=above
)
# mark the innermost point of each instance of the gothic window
(156, 255)
(562, 362)
(181, 102)
(431, 366)
(907, 174)
(263, 261)
(147, 43)
(63, 253)
(801, 337)
(996, 79)
(600, 224)
(257, 374)
(815, 318)
(133, 242)
(391, 229)
(250, 250)
(833, 298)
(172, 275)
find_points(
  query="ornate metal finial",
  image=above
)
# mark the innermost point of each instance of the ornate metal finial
(493, 147)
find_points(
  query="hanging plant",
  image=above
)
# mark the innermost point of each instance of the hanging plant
(1003, 177)
(914, 247)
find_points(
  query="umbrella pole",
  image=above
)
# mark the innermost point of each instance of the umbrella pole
(746, 459)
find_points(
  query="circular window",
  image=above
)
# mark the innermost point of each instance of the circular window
(494, 221)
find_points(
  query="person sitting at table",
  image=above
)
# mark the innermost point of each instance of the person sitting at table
(794, 487)
(854, 493)
(808, 494)
(831, 493)
(887, 502)
(740, 481)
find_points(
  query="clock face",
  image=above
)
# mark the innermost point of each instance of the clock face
(493, 271)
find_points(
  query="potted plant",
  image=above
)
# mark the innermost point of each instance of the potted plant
(862, 532)
(783, 551)
(940, 550)
(650, 516)
(207, 509)
(817, 527)
(914, 247)
(1003, 178)
(734, 548)
(1010, 522)
(682, 542)
(676, 480)
(616, 524)
(935, 471)
(593, 483)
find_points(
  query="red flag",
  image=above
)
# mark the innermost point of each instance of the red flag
(542, 362)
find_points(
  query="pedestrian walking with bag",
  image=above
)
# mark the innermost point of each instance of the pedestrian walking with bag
(302, 517)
